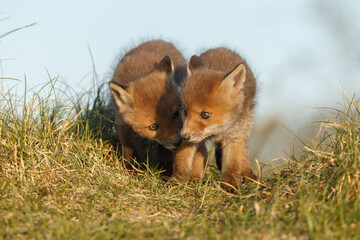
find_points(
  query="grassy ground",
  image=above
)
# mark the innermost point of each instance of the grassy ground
(60, 178)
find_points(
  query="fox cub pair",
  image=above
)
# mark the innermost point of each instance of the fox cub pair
(157, 96)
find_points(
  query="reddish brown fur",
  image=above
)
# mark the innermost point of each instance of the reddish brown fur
(206, 89)
(149, 87)
(143, 95)
(140, 61)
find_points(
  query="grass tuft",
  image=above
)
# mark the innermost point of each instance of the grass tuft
(60, 178)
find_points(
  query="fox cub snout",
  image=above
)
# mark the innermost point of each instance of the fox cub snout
(218, 102)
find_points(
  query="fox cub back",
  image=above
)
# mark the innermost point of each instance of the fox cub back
(218, 101)
(146, 104)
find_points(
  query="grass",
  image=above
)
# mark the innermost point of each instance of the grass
(61, 178)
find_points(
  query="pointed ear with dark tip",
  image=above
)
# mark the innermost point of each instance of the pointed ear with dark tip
(166, 65)
(195, 62)
(235, 79)
(121, 96)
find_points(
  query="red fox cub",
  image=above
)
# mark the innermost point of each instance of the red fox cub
(147, 105)
(218, 101)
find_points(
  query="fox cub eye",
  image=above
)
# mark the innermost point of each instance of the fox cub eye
(153, 127)
(185, 113)
(205, 115)
(175, 115)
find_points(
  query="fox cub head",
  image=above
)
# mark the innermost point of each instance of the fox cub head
(150, 105)
(212, 100)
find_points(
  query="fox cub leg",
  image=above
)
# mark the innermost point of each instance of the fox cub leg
(199, 161)
(166, 160)
(189, 162)
(130, 145)
(234, 162)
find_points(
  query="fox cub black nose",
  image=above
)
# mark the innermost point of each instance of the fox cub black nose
(185, 137)
(177, 142)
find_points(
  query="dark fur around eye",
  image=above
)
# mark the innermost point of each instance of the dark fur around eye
(176, 114)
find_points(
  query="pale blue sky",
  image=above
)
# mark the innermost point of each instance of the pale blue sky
(295, 47)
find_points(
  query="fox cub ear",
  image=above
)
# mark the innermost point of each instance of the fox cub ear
(195, 62)
(235, 79)
(121, 96)
(166, 65)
